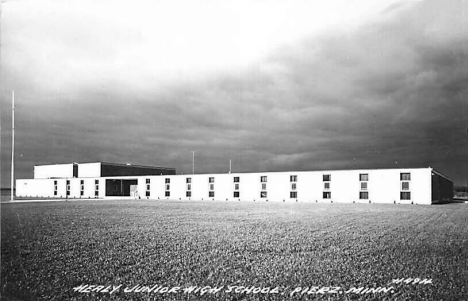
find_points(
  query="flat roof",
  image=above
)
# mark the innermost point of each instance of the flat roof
(112, 164)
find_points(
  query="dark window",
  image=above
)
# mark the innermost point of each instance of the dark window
(55, 182)
(82, 182)
(188, 180)
(263, 179)
(148, 193)
(405, 195)
(236, 179)
(363, 195)
(326, 178)
(293, 178)
(168, 187)
(236, 186)
(211, 179)
(327, 195)
(363, 177)
(68, 182)
(211, 194)
(168, 193)
(326, 186)
(68, 192)
(236, 194)
(263, 194)
(211, 186)
(96, 193)
(293, 194)
(168, 180)
(404, 185)
(55, 192)
(147, 181)
(405, 176)
(96, 181)
(188, 194)
(363, 185)
(81, 192)
(293, 186)
(189, 186)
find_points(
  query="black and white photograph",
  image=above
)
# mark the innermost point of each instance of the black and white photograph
(234, 150)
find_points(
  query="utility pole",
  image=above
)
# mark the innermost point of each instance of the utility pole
(12, 186)
(193, 163)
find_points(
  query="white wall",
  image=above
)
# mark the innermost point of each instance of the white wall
(384, 186)
(53, 171)
(89, 170)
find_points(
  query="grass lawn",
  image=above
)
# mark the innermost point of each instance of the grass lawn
(326, 250)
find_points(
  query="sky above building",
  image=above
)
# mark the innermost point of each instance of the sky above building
(271, 85)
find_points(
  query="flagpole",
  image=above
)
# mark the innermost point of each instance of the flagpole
(12, 186)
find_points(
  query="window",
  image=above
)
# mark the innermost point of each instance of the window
(211, 179)
(148, 188)
(81, 182)
(236, 186)
(68, 187)
(363, 177)
(236, 179)
(293, 194)
(405, 186)
(405, 195)
(263, 179)
(188, 194)
(363, 195)
(405, 176)
(363, 185)
(189, 187)
(96, 188)
(236, 194)
(168, 180)
(327, 195)
(55, 192)
(168, 187)
(326, 178)
(211, 186)
(55, 182)
(293, 186)
(168, 194)
(264, 186)
(326, 186)
(211, 194)
(188, 180)
(263, 194)
(293, 178)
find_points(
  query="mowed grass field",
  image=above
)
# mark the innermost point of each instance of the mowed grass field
(52, 247)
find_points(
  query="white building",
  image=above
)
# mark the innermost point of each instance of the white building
(107, 180)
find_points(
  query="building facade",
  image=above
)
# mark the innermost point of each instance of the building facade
(390, 186)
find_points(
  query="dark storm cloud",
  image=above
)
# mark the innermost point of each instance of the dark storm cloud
(390, 93)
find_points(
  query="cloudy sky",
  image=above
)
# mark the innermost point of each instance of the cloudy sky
(272, 85)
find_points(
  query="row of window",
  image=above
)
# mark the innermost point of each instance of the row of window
(364, 178)
(96, 188)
